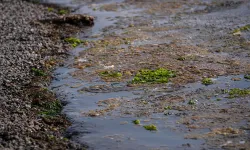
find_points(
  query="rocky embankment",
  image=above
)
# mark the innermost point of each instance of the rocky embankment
(29, 113)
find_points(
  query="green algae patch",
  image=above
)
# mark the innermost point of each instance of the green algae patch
(236, 92)
(247, 76)
(110, 74)
(207, 81)
(150, 127)
(51, 108)
(44, 100)
(167, 108)
(63, 12)
(38, 72)
(244, 28)
(50, 9)
(192, 102)
(137, 122)
(73, 41)
(160, 75)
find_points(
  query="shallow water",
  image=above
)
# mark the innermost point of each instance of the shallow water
(114, 129)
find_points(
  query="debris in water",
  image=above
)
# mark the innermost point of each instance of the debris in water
(207, 81)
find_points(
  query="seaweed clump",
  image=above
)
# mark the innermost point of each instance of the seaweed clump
(244, 28)
(160, 75)
(73, 41)
(207, 81)
(150, 127)
(137, 122)
(236, 92)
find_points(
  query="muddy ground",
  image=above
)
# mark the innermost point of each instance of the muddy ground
(195, 39)
(195, 44)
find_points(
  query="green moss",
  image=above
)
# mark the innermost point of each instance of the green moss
(63, 12)
(153, 76)
(38, 72)
(244, 28)
(137, 121)
(247, 76)
(192, 102)
(110, 74)
(50, 9)
(73, 41)
(207, 81)
(51, 108)
(236, 92)
(150, 127)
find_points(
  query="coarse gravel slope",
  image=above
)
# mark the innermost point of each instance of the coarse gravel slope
(26, 45)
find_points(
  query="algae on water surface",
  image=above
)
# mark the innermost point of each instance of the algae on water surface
(160, 75)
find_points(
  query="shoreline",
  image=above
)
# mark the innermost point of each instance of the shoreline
(201, 94)
(30, 113)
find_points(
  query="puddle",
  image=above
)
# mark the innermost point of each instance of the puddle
(108, 124)
(112, 134)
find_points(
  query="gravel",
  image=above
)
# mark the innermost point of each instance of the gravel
(24, 45)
